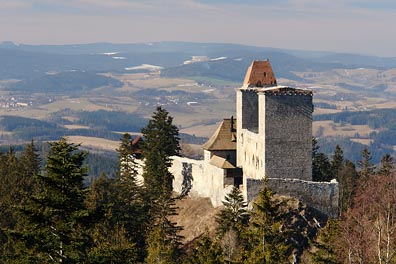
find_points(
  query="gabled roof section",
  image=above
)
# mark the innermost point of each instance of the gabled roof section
(260, 74)
(224, 138)
(221, 162)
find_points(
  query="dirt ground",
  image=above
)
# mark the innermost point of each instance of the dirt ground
(196, 216)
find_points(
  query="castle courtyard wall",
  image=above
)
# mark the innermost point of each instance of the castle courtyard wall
(322, 196)
(205, 180)
(199, 178)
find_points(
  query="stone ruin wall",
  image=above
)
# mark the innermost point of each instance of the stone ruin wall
(323, 196)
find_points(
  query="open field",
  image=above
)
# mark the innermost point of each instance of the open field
(217, 100)
(330, 129)
(95, 143)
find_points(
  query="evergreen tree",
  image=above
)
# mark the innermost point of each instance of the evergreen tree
(233, 220)
(387, 165)
(323, 249)
(111, 243)
(161, 142)
(321, 166)
(266, 242)
(205, 251)
(31, 161)
(164, 241)
(130, 209)
(55, 218)
(126, 159)
(365, 165)
(11, 186)
(337, 162)
(347, 178)
(234, 215)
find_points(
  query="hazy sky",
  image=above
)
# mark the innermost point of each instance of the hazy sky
(358, 26)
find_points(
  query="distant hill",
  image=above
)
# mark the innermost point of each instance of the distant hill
(27, 61)
(65, 82)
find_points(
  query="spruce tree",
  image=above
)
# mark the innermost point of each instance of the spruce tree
(321, 166)
(266, 242)
(323, 249)
(126, 159)
(233, 220)
(164, 241)
(111, 243)
(347, 178)
(387, 165)
(234, 215)
(337, 162)
(56, 216)
(161, 142)
(365, 165)
(205, 251)
(130, 209)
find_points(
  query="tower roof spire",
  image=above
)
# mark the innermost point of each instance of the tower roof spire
(260, 74)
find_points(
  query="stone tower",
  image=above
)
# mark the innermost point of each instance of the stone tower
(274, 128)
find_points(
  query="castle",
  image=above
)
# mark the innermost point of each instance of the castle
(271, 139)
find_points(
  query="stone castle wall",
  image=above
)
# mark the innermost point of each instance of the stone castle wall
(287, 134)
(282, 145)
(322, 196)
(198, 178)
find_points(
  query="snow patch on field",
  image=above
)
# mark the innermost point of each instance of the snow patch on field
(110, 53)
(144, 67)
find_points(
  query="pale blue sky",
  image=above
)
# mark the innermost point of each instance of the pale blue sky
(358, 26)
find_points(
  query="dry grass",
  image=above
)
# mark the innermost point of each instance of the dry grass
(196, 216)
(364, 141)
(329, 128)
(201, 130)
(76, 127)
(94, 142)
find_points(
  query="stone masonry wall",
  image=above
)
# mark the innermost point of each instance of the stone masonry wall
(288, 135)
(201, 179)
(322, 196)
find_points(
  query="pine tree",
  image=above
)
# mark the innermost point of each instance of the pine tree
(325, 245)
(205, 251)
(266, 242)
(55, 218)
(164, 241)
(126, 158)
(161, 142)
(110, 239)
(321, 166)
(337, 162)
(234, 215)
(387, 165)
(130, 209)
(347, 178)
(365, 165)
(31, 160)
